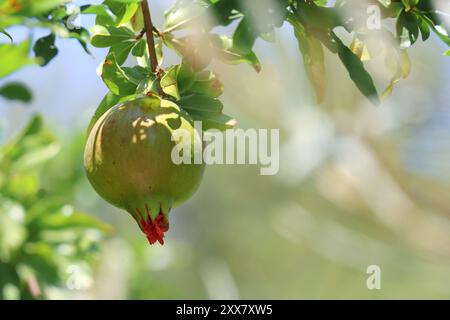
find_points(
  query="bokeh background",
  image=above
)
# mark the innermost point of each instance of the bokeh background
(358, 185)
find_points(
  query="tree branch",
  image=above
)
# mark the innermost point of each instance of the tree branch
(150, 40)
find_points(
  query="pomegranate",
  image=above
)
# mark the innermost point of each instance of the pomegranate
(128, 161)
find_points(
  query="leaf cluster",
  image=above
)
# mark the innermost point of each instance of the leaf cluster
(41, 235)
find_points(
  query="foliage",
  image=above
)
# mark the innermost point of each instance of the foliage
(52, 15)
(120, 27)
(314, 25)
(41, 235)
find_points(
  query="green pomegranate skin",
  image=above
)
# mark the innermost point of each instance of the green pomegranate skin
(128, 161)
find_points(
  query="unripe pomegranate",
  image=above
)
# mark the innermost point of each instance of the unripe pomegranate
(128, 161)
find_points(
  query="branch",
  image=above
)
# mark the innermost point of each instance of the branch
(150, 41)
(140, 35)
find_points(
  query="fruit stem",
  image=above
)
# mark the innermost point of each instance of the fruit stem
(148, 25)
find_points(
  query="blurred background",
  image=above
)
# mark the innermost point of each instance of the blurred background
(358, 185)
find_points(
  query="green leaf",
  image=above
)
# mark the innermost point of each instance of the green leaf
(185, 78)
(144, 60)
(224, 12)
(100, 10)
(244, 36)
(44, 206)
(123, 10)
(37, 7)
(83, 37)
(137, 21)
(439, 31)
(40, 257)
(16, 91)
(200, 104)
(314, 16)
(45, 49)
(217, 121)
(407, 28)
(121, 51)
(204, 83)
(62, 221)
(139, 48)
(199, 91)
(36, 155)
(59, 14)
(22, 186)
(224, 50)
(424, 29)
(169, 82)
(34, 127)
(207, 84)
(136, 74)
(260, 18)
(12, 229)
(14, 57)
(8, 21)
(356, 70)
(147, 85)
(32, 147)
(115, 77)
(106, 37)
(313, 59)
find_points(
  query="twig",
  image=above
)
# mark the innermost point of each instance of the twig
(141, 34)
(158, 33)
(150, 41)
